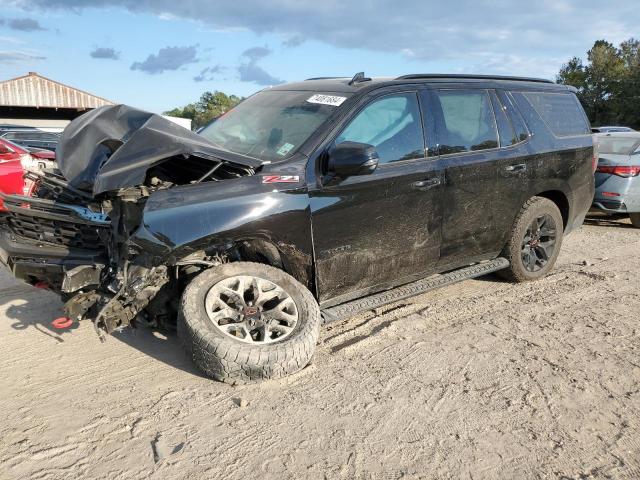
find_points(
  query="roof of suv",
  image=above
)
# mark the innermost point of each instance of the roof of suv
(355, 84)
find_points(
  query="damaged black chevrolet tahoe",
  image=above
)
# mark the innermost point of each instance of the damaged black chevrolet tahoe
(307, 202)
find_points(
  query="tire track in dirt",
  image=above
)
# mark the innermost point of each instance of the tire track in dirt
(483, 379)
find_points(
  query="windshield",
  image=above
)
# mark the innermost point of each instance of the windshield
(273, 124)
(618, 145)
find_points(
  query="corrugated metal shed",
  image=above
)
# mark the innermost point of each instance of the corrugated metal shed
(33, 90)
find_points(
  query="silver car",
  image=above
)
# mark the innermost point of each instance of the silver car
(617, 174)
(611, 129)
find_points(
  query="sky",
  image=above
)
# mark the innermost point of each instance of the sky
(161, 54)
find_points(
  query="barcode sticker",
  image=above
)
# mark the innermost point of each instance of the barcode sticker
(332, 100)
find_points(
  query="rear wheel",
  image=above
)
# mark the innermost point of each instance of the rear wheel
(535, 241)
(243, 322)
(635, 219)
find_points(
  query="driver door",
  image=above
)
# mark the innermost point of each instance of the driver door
(381, 229)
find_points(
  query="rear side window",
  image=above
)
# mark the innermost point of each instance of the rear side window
(505, 129)
(516, 119)
(561, 112)
(392, 124)
(468, 123)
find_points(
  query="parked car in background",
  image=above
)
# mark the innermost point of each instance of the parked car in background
(32, 158)
(611, 129)
(12, 180)
(32, 138)
(41, 154)
(618, 175)
(314, 200)
(10, 126)
(15, 161)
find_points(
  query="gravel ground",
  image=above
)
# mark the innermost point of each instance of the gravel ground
(483, 379)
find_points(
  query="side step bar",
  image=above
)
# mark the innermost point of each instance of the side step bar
(349, 309)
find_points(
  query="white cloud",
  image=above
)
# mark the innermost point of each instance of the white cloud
(18, 57)
(426, 30)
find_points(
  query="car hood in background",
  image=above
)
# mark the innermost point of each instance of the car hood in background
(113, 147)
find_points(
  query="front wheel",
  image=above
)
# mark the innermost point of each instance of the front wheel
(535, 241)
(244, 322)
(635, 219)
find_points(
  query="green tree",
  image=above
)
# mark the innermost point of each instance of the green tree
(608, 84)
(210, 105)
(629, 102)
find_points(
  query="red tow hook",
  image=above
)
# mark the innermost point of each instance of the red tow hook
(61, 323)
(42, 285)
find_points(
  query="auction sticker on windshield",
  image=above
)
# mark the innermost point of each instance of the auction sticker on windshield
(284, 149)
(332, 100)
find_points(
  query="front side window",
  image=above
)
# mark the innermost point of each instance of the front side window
(468, 123)
(392, 124)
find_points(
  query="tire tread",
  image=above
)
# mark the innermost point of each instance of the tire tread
(233, 362)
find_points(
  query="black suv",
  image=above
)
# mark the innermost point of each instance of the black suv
(307, 202)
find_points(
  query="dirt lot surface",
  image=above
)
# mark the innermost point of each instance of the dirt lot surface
(483, 379)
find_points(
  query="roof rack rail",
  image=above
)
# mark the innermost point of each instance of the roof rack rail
(322, 78)
(419, 76)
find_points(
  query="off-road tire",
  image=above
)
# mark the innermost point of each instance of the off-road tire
(235, 362)
(534, 207)
(635, 219)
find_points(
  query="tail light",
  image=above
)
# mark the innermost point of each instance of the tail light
(620, 170)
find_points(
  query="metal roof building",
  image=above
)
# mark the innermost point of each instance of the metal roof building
(38, 101)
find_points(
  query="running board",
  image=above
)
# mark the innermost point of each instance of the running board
(349, 309)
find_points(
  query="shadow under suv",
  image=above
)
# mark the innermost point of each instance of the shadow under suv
(307, 202)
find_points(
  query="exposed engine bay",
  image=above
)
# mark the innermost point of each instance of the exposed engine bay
(111, 161)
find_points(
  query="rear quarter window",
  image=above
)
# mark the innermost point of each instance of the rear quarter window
(562, 112)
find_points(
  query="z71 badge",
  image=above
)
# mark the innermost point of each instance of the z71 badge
(280, 178)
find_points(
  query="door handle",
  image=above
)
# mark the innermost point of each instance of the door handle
(521, 167)
(427, 184)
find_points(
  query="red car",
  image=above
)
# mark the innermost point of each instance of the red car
(14, 161)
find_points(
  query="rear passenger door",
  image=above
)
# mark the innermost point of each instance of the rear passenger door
(515, 163)
(467, 143)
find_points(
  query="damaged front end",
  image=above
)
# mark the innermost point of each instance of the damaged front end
(76, 235)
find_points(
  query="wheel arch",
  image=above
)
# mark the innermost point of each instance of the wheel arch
(562, 202)
(279, 255)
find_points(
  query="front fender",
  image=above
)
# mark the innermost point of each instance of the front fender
(215, 216)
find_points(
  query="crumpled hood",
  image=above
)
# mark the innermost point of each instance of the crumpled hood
(113, 147)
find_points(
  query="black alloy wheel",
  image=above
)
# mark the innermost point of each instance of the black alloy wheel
(539, 243)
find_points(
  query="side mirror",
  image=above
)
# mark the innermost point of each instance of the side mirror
(352, 158)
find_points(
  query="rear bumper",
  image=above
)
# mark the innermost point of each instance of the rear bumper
(625, 203)
(609, 205)
(622, 194)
